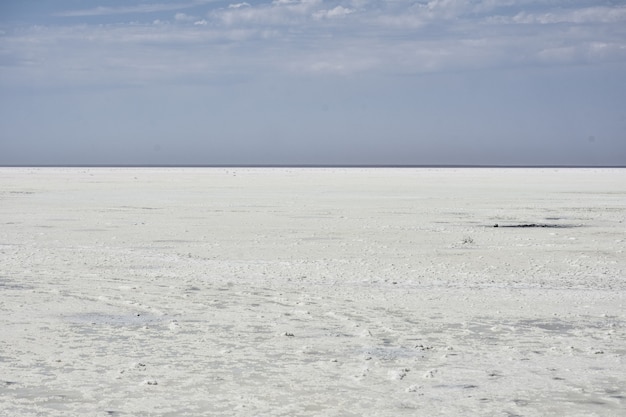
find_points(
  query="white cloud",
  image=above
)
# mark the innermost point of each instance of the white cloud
(578, 16)
(279, 12)
(183, 17)
(295, 36)
(489, 5)
(284, 2)
(591, 52)
(140, 8)
(405, 21)
(445, 9)
(338, 11)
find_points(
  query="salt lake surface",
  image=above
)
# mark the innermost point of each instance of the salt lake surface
(309, 292)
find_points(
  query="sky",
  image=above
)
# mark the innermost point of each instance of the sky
(319, 82)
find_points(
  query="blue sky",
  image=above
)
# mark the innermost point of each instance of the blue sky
(313, 82)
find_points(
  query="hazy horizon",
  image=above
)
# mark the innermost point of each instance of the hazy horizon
(339, 166)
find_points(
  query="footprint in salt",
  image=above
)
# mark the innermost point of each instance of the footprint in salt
(365, 333)
(414, 388)
(399, 374)
(362, 374)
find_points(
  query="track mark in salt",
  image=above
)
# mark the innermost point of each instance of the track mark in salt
(399, 374)
(430, 374)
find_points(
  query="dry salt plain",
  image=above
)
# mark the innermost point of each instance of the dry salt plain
(312, 292)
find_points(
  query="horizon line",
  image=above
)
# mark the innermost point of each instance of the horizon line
(307, 166)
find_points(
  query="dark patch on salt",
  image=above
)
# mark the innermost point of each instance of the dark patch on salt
(595, 402)
(9, 284)
(537, 225)
(456, 386)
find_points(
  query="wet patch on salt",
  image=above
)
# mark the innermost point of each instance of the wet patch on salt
(558, 326)
(9, 284)
(536, 225)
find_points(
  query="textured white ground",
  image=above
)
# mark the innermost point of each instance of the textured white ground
(312, 292)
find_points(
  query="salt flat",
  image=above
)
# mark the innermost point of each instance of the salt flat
(309, 292)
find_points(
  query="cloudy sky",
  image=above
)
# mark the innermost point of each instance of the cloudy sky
(313, 82)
